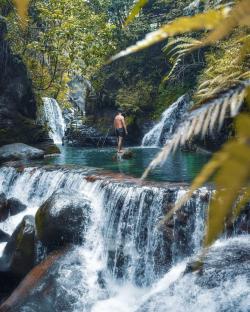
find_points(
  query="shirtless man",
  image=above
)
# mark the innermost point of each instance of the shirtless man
(120, 129)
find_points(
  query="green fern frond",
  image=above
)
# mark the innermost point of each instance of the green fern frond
(177, 49)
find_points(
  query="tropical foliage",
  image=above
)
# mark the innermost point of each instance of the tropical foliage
(63, 38)
(56, 28)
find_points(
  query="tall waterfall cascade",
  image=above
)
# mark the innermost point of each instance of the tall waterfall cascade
(170, 120)
(137, 262)
(54, 119)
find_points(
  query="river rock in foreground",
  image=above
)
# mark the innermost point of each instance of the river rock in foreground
(19, 151)
(62, 219)
(33, 293)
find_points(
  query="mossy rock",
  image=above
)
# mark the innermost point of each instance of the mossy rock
(127, 154)
(19, 254)
(62, 219)
(52, 149)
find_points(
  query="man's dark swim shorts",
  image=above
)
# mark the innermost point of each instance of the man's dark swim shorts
(120, 132)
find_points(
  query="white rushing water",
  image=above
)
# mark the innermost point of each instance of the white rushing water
(54, 119)
(126, 263)
(170, 119)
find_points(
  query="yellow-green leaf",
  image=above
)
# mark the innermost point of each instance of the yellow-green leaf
(230, 179)
(136, 10)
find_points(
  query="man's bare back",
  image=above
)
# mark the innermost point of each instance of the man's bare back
(119, 122)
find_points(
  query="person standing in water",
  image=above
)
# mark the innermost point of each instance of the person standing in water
(120, 129)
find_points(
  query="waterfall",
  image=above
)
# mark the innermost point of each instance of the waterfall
(54, 119)
(123, 242)
(127, 262)
(170, 120)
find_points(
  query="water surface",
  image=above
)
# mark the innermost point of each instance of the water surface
(179, 167)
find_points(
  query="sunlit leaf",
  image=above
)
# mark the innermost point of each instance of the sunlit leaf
(135, 11)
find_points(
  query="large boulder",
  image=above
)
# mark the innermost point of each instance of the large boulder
(19, 253)
(62, 219)
(19, 151)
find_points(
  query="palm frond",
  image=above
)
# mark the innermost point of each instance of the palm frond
(220, 22)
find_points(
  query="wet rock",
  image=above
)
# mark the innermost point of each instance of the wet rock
(28, 289)
(9, 207)
(3, 207)
(88, 136)
(4, 237)
(17, 101)
(18, 256)
(128, 154)
(222, 279)
(15, 206)
(62, 219)
(19, 151)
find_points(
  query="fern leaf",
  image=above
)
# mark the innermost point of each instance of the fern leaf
(136, 10)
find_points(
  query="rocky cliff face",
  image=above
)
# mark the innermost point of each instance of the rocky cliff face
(17, 101)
